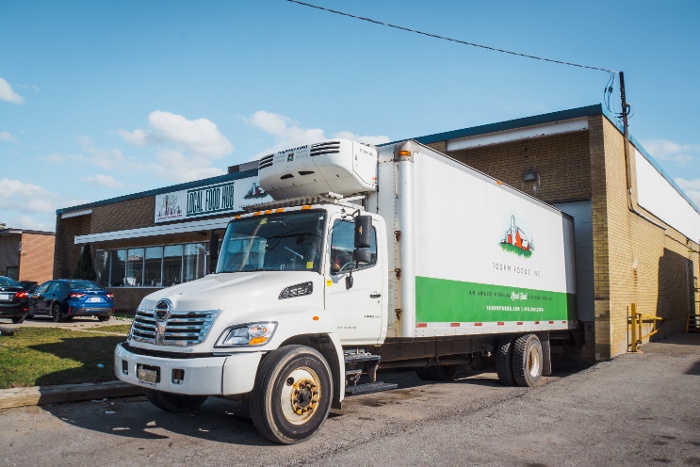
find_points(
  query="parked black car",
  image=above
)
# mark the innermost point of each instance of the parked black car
(63, 299)
(13, 300)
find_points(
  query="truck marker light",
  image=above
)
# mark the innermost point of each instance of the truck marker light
(269, 211)
(279, 210)
(454, 325)
(316, 318)
(422, 325)
(307, 206)
(537, 322)
(478, 324)
(404, 153)
(257, 213)
(501, 323)
(520, 323)
(499, 182)
(551, 322)
(238, 216)
(329, 283)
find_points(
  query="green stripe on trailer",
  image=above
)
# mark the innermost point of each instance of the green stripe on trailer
(441, 300)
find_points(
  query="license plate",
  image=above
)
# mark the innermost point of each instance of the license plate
(6, 297)
(147, 375)
(94, 300)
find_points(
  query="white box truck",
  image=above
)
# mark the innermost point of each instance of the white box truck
(396, 256)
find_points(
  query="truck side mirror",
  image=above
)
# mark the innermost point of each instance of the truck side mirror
(363, 232)
(213, 251)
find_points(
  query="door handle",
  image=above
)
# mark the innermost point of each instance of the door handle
(375, 295)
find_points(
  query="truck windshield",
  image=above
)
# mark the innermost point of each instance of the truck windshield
(289, 241)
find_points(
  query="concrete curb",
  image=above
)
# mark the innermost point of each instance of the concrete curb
(41, 395)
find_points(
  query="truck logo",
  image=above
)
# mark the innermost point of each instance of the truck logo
(162, 310)
(516, 241)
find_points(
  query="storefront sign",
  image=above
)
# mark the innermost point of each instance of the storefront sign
(209, 200)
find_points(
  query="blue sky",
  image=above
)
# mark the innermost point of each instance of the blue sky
(103, 99)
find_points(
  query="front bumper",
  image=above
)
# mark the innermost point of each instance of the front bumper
(211, 376)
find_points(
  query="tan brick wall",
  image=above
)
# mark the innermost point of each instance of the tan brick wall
(36, 257)
(648, 265)
(562, 161)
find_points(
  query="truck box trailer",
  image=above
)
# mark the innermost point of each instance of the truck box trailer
(369, 258)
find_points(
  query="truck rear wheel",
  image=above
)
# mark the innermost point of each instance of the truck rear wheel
(527, 360)
(504, 369)
(173, 402)
(292, 394)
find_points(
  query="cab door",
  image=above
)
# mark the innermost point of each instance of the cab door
(356, 307)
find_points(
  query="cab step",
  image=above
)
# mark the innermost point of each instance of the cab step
(368, 388)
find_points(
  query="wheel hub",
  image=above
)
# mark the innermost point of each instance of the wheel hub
(304, 396)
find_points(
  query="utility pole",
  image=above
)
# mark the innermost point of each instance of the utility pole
(626, 132)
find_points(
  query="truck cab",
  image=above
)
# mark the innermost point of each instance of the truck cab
(294, 284)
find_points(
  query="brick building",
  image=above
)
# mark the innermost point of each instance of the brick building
(636, 232)
(26, 255)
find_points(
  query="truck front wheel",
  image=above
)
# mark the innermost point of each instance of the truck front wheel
(173, 402)
(292, 394)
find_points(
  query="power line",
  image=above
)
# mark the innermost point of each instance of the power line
(444, 38)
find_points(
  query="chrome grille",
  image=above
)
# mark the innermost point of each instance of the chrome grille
(180, 328)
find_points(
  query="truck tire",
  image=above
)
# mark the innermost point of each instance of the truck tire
(292, 394)
(504, 369)
(173, 402)
(527, 360)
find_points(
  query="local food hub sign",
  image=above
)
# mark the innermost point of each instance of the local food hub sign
(208, 200)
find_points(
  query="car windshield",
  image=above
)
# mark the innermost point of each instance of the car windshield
(83, 285)
(289, 241)
(8, 282)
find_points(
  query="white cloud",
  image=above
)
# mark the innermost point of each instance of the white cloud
(200, 137)
(106, 159)
(7, 94)
(7, 136)
(175, 166)
(691, 188)
(288, 134)
(26, 197)
(103, 180)
(42, 223)
(665, 150)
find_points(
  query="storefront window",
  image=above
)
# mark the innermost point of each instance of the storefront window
(117, 267)
(102, 268)
(172, 265)
(154, 266)
(194, 260)
(134, 268)
(152, 270)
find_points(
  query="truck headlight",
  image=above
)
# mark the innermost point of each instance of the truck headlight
(247, 334)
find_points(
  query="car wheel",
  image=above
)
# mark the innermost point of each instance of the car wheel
(173, 402)
(103, 318)
(56, 313)
(18, 319)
